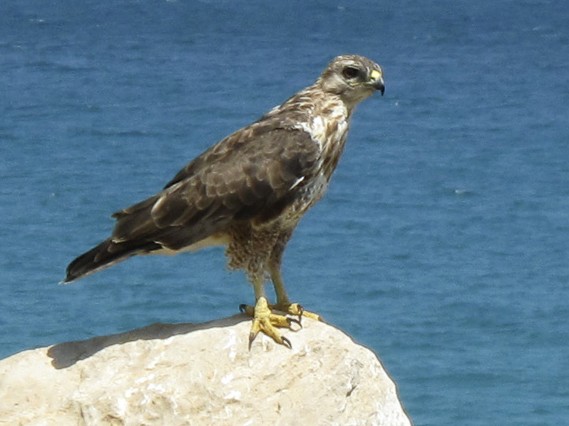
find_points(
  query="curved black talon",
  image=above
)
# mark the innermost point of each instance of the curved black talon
(242, 308)
(300, 312)
(286, 342)
(291, 320)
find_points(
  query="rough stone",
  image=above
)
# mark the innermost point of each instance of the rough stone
(182, 374)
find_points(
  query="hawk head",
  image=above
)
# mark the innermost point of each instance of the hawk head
(352, 77)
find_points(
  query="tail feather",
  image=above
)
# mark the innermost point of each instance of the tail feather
(104, 255)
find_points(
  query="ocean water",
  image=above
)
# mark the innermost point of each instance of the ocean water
(442, 243)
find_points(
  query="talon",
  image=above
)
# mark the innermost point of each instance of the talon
(251, 338)
(286, 342)
(291, 320)
(300, 312)
(247, 310)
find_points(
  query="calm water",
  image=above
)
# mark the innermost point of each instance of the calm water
(442, 243)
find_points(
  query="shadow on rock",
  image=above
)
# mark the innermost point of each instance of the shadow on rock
(67, 354)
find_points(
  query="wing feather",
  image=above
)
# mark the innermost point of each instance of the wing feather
(249, 175)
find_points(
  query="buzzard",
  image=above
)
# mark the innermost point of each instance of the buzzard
(249, 191)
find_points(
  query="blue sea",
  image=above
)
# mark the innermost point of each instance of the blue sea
(442, 244)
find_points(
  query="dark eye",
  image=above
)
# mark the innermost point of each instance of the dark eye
(350, 72)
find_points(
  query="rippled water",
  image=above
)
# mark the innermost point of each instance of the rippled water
(442, 243)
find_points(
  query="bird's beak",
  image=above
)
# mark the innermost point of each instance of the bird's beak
(379, 85)
(376, 81)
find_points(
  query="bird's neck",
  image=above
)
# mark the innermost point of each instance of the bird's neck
(324, 116)
(327, 121)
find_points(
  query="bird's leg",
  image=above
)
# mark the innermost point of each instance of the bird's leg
(283, 303)
(264, 320)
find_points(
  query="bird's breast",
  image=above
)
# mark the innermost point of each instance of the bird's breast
(327, 124)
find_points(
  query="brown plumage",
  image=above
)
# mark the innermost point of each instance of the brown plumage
(249, 190)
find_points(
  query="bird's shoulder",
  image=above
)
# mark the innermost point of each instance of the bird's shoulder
(280, 134)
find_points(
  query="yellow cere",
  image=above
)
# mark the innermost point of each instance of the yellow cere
(375, 74)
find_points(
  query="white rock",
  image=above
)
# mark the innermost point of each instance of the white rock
(200, 374)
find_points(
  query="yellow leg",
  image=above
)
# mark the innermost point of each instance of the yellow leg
(264, 320)
(283, 303)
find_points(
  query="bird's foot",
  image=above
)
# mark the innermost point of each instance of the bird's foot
(296, 310)
(266, 320)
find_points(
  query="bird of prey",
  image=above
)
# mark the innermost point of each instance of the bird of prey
(249, 191)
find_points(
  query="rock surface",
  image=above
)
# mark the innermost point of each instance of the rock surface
(200, 375)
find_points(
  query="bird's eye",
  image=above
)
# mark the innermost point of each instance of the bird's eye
(350, 72)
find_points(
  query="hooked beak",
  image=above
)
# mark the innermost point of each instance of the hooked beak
(379, 85)
(376, 81)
